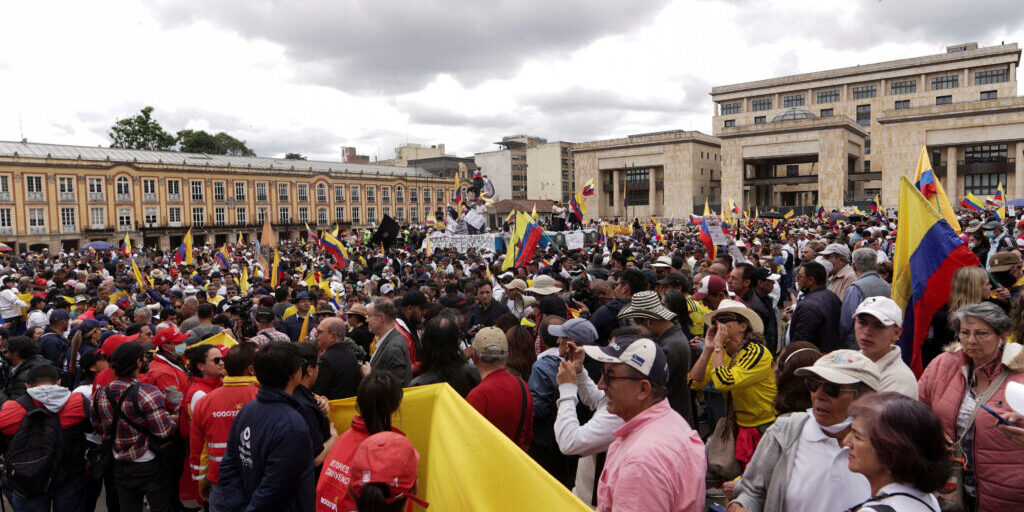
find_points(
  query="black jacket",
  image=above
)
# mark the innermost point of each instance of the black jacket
(816, 319)
(339, 373)
(362, 336)
(18, 381)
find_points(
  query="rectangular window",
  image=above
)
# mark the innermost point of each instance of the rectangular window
(761, 104)
(95, 189)
(759, 120)
(98, 218)
(828, 96)
(321, 216)
(414, 195)
(387, 211)
(731, 108)
(303, 214)
(991, 76)
(218, 191)
(124, 219)
(198, 216)
(903, 87)
(67, 218)
(399, 194)
(124, 189)
(283, 215)
(261, 215)
(792, 171)
(983, 184)
(321, 193)
(400, 214)
(864, 115)
(220, 216)
(174, 216)
(985, 153)
(414, 215)
(36, 220)
(173, 190)
(371, 214)
(302, 192)
(65, 186)
(6, 227)
(241, 216)
(261, 192)
(240, 191)
(793, 101)
(944, 100)
(385, 195)
(988, 95)
(864, 91)
(902, 104)
(5, 186)
(638, 183)
(355, 194)
(426, 213)
(729, 123)
(355, 215)
(339, 194)
(371, 196)
(867, 145)
(197, 190)
(282, 191)
(826, 112)
(34, 187)
(149, 189)
(426, 195)
(150, 217)
(339, 214)
(945, 82)
(439, 195)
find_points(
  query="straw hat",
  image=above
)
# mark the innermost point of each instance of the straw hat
(646, 304)
(732, 306)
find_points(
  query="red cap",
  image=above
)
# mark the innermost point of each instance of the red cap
(710, 285)
(115, 341)
(387, 458)
(40, 282)
(168, 335)
(174, 271)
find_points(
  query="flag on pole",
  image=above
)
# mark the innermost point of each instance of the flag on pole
(1000, 211)
(705, 238)
(138, 276)
(928, 252)
(311, 236)
(184, 252)
(733, 207)
(971, 202)
(222, 257)
(625, 196)
(240, 242)
(931, 189)
(534, 214)
(788, 214)
(243, 281)
(275, 269)
(577, 206)
(707, 209)
(588, 188)
(876, 207)
(126, 245)
(458, 190)
(820, 213)
(335, 248)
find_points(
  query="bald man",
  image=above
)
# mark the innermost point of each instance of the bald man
(339, 372)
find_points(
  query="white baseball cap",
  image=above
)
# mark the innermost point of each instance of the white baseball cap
(883, 308)
(386, 288)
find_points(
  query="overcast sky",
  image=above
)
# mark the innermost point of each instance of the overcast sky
(311, 76)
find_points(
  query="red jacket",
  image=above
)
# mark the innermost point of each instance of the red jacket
(211, 423)
(188, 489)
(73, 413)
(997, 460)
(410, 343)
(164, 373)
(332, 487)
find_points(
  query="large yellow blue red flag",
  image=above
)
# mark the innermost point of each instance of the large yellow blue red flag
(932, 190)
(928, 252)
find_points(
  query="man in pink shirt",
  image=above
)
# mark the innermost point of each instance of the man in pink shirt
(656, 462)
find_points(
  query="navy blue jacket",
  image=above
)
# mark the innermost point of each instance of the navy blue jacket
(816, 319)
(292, 326)
(269, 460)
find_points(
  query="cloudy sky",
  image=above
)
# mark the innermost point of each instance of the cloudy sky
(311, 76)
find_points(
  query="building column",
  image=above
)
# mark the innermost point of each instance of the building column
(1018, 170)
(652, 194)
(832, 169)
(732, 174)
(616, 193)
(951, 178)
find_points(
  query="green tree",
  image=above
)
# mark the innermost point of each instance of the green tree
(140, 132)
(198, 141)
(294, 156)
(232, 146)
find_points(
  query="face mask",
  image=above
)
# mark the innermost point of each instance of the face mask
(990, 234)
(838, 427)
(180, 349)
(972, 245)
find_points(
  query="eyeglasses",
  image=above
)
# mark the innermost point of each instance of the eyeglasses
(978, 335)
(609, 377)
(830, 388)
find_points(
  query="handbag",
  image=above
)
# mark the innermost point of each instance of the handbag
(721, 446)
(952, 497)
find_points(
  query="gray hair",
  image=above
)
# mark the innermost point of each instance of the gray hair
(492, 357)
(191, 300)
(987, 312)
(145, 312)
(385, 306)
(865, 259)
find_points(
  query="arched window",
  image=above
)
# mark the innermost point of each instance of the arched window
(321, 193)
(399, 194)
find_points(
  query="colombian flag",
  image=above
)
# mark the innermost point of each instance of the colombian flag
(932, 190)
(876, 207)
(184, 252)
(705, 238)
(971, 202)
(821, 211)
(222, 257)
(458, 190)
(478, 174)
(928, 252)
(696, 219)
(126, 245)
(311, 236)
(588, 188)
(576, 204)
(735, 208)
(334, 247)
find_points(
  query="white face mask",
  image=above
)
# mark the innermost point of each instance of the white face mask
(833, 429)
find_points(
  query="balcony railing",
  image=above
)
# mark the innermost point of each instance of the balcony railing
(68, 229)
(124, 227)
(67, 196)
(96, 197)
(34, 196)
(124, 197)
(37, 230)
(6, 230)
(176, 198)
(5, 196)
(149, 198)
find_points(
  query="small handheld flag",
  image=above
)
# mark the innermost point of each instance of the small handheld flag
(588, 188)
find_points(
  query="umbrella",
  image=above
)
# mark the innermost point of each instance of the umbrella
(99, 245)
(1016, 203)
(5, 248)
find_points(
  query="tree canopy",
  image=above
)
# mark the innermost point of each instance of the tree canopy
(142, 131)
(294, 156)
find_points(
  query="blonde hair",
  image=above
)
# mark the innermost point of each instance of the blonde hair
(968, 283)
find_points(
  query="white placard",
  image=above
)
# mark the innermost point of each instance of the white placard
(574, 240)
(715, 230)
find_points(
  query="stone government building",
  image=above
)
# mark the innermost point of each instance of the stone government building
(62, 197)
(837, 137)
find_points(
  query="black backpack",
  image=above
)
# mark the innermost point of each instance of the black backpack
(34, 454)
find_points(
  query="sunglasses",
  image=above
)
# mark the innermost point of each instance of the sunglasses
(218, 360)
(724, 319)
(830, 388)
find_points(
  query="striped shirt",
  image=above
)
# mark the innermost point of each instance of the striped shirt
(749, 380)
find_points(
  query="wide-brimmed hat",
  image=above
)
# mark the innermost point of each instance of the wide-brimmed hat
(662, 262)
(517, 284)
(973, 226)
(646, 304)
(358, 309)
(544, 285)
(733, 306)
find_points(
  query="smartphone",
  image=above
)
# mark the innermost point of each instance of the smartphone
(1001, 419)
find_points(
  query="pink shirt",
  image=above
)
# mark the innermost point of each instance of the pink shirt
(656, 463)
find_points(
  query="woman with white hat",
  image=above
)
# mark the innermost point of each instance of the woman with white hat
(735, 361)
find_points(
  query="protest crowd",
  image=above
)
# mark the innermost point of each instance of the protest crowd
(777, 363)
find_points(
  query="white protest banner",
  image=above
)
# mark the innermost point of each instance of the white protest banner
(574, 240)
(463, 243)
(715, 230)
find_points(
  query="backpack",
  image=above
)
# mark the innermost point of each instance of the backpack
(34, 455)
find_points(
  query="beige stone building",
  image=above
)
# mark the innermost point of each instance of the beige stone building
(664, 174)
(550, 171)
(56, 196)
(841, 136)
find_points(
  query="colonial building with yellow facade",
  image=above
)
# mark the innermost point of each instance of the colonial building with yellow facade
(62, 197)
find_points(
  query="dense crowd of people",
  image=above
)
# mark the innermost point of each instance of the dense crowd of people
(641, 372)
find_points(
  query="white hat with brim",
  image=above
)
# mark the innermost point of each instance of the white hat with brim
(544, 285)
(737, 307)
(844, 367)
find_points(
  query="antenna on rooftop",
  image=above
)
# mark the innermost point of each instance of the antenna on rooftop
(21, 126)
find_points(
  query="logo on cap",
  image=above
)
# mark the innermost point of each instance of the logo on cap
(841, 359)
(637, 359)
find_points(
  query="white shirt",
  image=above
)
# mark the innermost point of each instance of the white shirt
(882, 258)
(585, 440)
(10, 304)
(821, 480)
(895, 374)
(905, 503)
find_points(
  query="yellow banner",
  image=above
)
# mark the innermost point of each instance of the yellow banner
(463, 457)
(614, 230)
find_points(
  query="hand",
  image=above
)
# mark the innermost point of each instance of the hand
(1002, 293)
(695, 342)
(581, 306)
(204, 489)
(173, 396)
(364, 370)
(729, 488)
(1016, 432)
(334, 431)
(323, 404)
(566, 373)
(709, 338)
(574, 355)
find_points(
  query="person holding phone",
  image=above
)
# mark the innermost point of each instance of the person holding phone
(957, 383)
